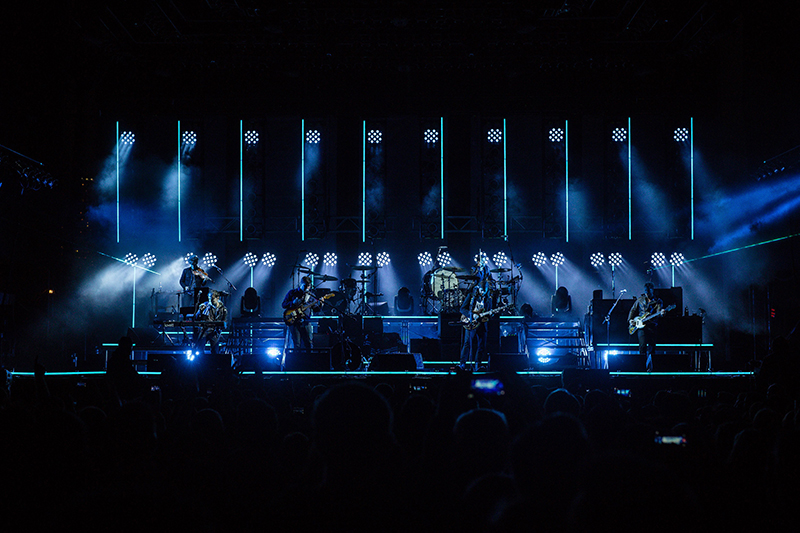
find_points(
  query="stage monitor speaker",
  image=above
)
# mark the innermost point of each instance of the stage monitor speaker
(579, 380)
(143, 336)
(387, 362)
(508, 362)
(316, 359)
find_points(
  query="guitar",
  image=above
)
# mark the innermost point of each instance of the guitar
(290, 316)
(480, 317)
(639, 321)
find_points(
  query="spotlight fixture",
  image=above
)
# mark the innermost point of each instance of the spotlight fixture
(681, 135)
(557, 258)
(189, 138)
(365, 258)
(250, 259)
(311, 260)
(658, 259)
(482, 257)
(383, 259)
(556, 135)
(313, 136)
(676, 259)
(500, 259)
(619, 135)
(127, 137)
(148, 260)
(268, 260)
(444, 258)
(615, 259)
(425, 259)
(251, 137)
(494, 135)
(544, 355)
(329, 259)
(597, 259)
(374, 136)
(431, 136)
(131, 259)
(539, 259)
(209, 260)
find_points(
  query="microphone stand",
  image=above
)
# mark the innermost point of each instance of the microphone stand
(607, 322)
(231, 286)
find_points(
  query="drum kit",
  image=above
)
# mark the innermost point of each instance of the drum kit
(444, 288)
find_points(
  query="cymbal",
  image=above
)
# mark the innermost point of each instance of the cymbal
(324, 277)
(498, 270)
(363, 267)
(454, 269)
(443, 274)
(371, 295)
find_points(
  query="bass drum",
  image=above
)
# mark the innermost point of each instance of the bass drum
(441, 281)
(345, 356)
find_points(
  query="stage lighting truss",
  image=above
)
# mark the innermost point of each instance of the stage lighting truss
(597, 259)
(500, 259)
(127, 137)
(311, 260)
(374, 136)
(431, 136)
(329, 259)
(444, 258)
(187, 257)
(250, 259)
(615, 259)
(676, 259)
(494, 136)
(251, 137)
(539, 259)
(557, 259)
(556, 135)
(619, 135)
(209, 260)
(383, 259)
(148, 260)
(425, 259)
(313, 136)
(131, 259)
(365, 258)
(268, 260)
(482, 257)
(681, 135)
(189, 138)
(658, 259)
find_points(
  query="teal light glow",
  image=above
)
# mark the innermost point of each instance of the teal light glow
(179, 181)
(302, 179)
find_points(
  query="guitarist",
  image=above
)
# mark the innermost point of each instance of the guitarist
(478, 301)
(647, 305)
(296, 298)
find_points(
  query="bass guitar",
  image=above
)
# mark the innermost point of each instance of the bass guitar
(480, 317)
(290, 316)
(639, 321)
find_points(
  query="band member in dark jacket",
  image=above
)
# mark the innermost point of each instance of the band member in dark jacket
(646, 305)
(478, 301)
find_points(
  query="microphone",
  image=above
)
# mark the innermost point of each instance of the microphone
(623, 290)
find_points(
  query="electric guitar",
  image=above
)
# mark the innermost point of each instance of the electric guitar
(290, 316)
(480, 317)
(639, 321)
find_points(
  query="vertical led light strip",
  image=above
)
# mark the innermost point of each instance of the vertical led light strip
(117, 181)
(364, 181)
(441, 172)
(630, 194)
(133, 313)
(179, 181)
(241, 180)
(302, 180)
(691, 167)
(566, 173)
(505, 184)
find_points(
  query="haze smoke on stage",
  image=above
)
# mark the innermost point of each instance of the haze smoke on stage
(431, 201)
